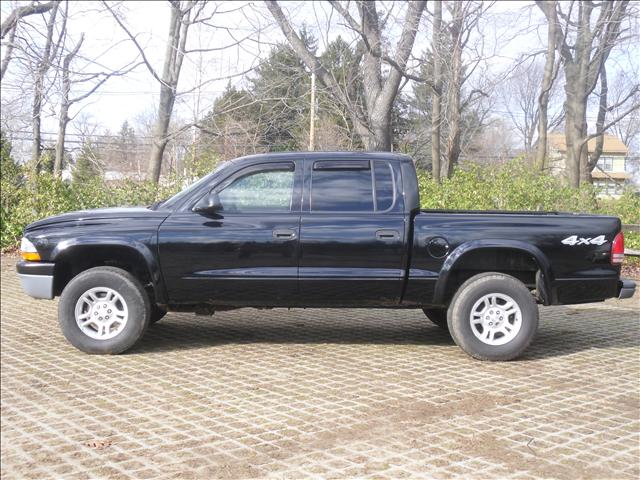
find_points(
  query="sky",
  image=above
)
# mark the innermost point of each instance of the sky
(126, 98)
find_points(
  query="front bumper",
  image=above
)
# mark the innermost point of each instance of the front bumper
(36, 278)
(626, 288)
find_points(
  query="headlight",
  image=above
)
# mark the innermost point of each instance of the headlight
(28, 250)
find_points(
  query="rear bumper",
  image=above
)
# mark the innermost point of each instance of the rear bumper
(626, 288)
(36, 279)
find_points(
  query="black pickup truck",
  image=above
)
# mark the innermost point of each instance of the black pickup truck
(318, 230)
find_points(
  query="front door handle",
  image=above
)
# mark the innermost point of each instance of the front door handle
(284, 234)
(388, 235)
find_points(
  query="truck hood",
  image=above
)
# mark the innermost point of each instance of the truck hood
(98, 216)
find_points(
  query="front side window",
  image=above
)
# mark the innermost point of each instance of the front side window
(268, 190)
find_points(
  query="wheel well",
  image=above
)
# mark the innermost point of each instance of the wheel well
(517, 263)
(82, 258)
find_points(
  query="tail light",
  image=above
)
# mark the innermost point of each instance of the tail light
(617, 249)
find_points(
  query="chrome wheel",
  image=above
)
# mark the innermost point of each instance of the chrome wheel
(495, 319)
(101, 313)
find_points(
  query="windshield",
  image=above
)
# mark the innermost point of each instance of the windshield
(180, 196)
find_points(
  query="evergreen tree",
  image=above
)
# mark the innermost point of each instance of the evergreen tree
(10, 171)
(88, 164)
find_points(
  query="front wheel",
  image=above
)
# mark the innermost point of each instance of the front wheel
(104, 310)
(493, 317)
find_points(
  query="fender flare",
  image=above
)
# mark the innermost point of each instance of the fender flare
(544, 278)
(67, 247)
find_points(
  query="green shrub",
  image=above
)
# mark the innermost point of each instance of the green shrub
(516, 186)
(46, 196)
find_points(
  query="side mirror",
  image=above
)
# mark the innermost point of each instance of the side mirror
(210, 203)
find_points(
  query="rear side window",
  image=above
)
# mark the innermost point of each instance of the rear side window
(341, 190)
(384, 185)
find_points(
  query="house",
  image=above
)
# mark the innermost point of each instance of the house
(610, 173)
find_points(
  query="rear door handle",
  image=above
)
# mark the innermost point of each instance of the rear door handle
(284, 234)
(388, 235)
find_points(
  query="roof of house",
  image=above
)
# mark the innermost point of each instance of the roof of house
(610, 175)
(612, 144)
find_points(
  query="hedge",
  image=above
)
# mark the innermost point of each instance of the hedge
(512, 186)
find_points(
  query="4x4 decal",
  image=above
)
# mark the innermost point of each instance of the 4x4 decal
(574, 240)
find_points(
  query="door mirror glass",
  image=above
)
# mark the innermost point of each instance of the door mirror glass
(210, 203)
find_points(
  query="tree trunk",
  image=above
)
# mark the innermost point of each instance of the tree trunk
(36, 146)
(547, 82)
(436, 96)
(63, 120)
(453, 146)
(38, 90)
(575, 125)
(453, 94)
(160, 130)
(379, 138)
(602, 113)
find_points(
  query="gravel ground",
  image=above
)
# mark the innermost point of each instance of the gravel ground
(319, 394)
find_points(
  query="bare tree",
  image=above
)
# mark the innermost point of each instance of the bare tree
(43, 62)
(10, 25)
(549, 75)
(583, 64)
(372, 119)
(180, 20)
(64, 107)
(628, 128)
(183, 15)
(67, 101)
(464, 18)
(521, 99)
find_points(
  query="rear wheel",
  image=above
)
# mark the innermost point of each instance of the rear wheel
(437, 316)
(493, 317)
(104, 310)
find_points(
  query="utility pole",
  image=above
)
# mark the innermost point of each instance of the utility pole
(312, 120)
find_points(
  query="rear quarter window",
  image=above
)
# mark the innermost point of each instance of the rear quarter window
(384, 185)
(342, 190)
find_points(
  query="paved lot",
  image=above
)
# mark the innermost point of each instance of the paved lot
(319, 393)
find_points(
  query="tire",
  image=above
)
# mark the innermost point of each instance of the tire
(117, 303)
(157, 314)
(484, 324)
(438, 316)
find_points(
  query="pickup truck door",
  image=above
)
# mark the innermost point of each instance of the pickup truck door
(246, 253)
(352, 233)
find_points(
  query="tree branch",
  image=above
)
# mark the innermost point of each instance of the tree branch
(137, 45)
(11, 22)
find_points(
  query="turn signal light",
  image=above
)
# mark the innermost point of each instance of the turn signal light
(617, 249)
(28, 251)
